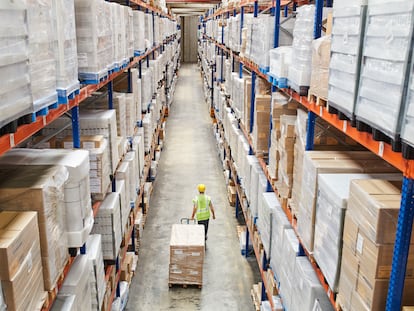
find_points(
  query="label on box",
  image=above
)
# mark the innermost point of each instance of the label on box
(178, 252)
(196, 254)
(360, 243)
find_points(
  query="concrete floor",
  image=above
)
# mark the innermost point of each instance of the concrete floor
(190, 157)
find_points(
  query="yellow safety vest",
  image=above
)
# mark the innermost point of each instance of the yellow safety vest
(203, 206)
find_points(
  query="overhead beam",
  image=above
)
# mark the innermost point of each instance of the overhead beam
(192, 5)
(192, 1)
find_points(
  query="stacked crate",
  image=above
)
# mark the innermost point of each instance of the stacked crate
(186, 254)
(385, 62)
(21, 279)
(347, 34)
(369, 236)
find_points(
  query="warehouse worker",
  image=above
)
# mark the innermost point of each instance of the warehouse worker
(201, 208)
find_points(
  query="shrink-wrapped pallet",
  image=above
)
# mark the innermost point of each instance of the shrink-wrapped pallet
(79, 218)
(149, 31)
(320, 67)
(41, 25)
(331, 204)
(92, 122)
(97, 271)
(279, 61)
(130, 114)
(125, 206)
(94, 39)
(300, 68)
(139, 32)
(21, 279)
(186, 254)
(318, 162)
(128, 171)
(108, 225)
(280, 222)
(308, 288)
(257, 177)
(64, 302)
(344, 68)
(369, 235)
(40, 188)
(129, 32)
(267, 204)
(14, 62)
(67, 54)
(384, 66)
(77, 282)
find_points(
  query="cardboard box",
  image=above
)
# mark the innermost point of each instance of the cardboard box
(375, 205)
(19, 232)
(231, 192)
(86, 142)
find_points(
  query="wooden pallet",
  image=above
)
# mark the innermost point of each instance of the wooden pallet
(319, 101)
(185, 285)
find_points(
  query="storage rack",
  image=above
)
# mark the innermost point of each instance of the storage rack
(382, 149)
(25, 131)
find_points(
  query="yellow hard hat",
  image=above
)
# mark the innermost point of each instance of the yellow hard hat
(201, 187)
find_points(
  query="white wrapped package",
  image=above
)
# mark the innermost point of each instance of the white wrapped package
(129, 33)
(266, 207)
(139, 34)
(279, 61)
(130, 113)
(133, 176)
(40, 188)
(385, 59)
(41, 25)
(332, 201)
(79, 219)
(137, 91)
(149, 31)
(407, 132)
(280, 222)
(348, 23)
(108, 225)
(97, 272)
(64, 302)
(138, 147)
(67, 54)
(94, 39)
(147, 88)
(290, 250)
(124, 203)
(14, 62)
(77, 282)
(118, 34)
(308, 287)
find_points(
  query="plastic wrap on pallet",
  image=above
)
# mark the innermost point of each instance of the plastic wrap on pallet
(268, 202)
(322, 305)
(344, 68)
(147, 88)
(149, 31)
(407, 132)
(320, 67)
(333, 193)
(280, 222)
(138, 147)
(129, 25)
(139, 31)
(368, 246)
(256, 173)
(309, 288)
(67, 54)
(131, 161)
(130, 114)
(108, 224)
(299, 70)
(94, 38)
(64, 302)
(40, 188)
(262, 40)
(125, 206)
(384, 66)
(315, 163)
(77, 282)
(289, 252)
(251, 161)
(14, 57)
(41, 25)
(97, 271)
(21, 279)
(279, 61)
(78, 210)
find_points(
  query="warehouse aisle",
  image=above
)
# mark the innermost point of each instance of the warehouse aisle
(189, 158)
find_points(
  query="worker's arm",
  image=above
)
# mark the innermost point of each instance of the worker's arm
(194, 211)
(212, 210)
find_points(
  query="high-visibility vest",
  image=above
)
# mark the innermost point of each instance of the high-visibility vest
(203, 206)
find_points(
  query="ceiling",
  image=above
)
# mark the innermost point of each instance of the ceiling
(190, 7)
